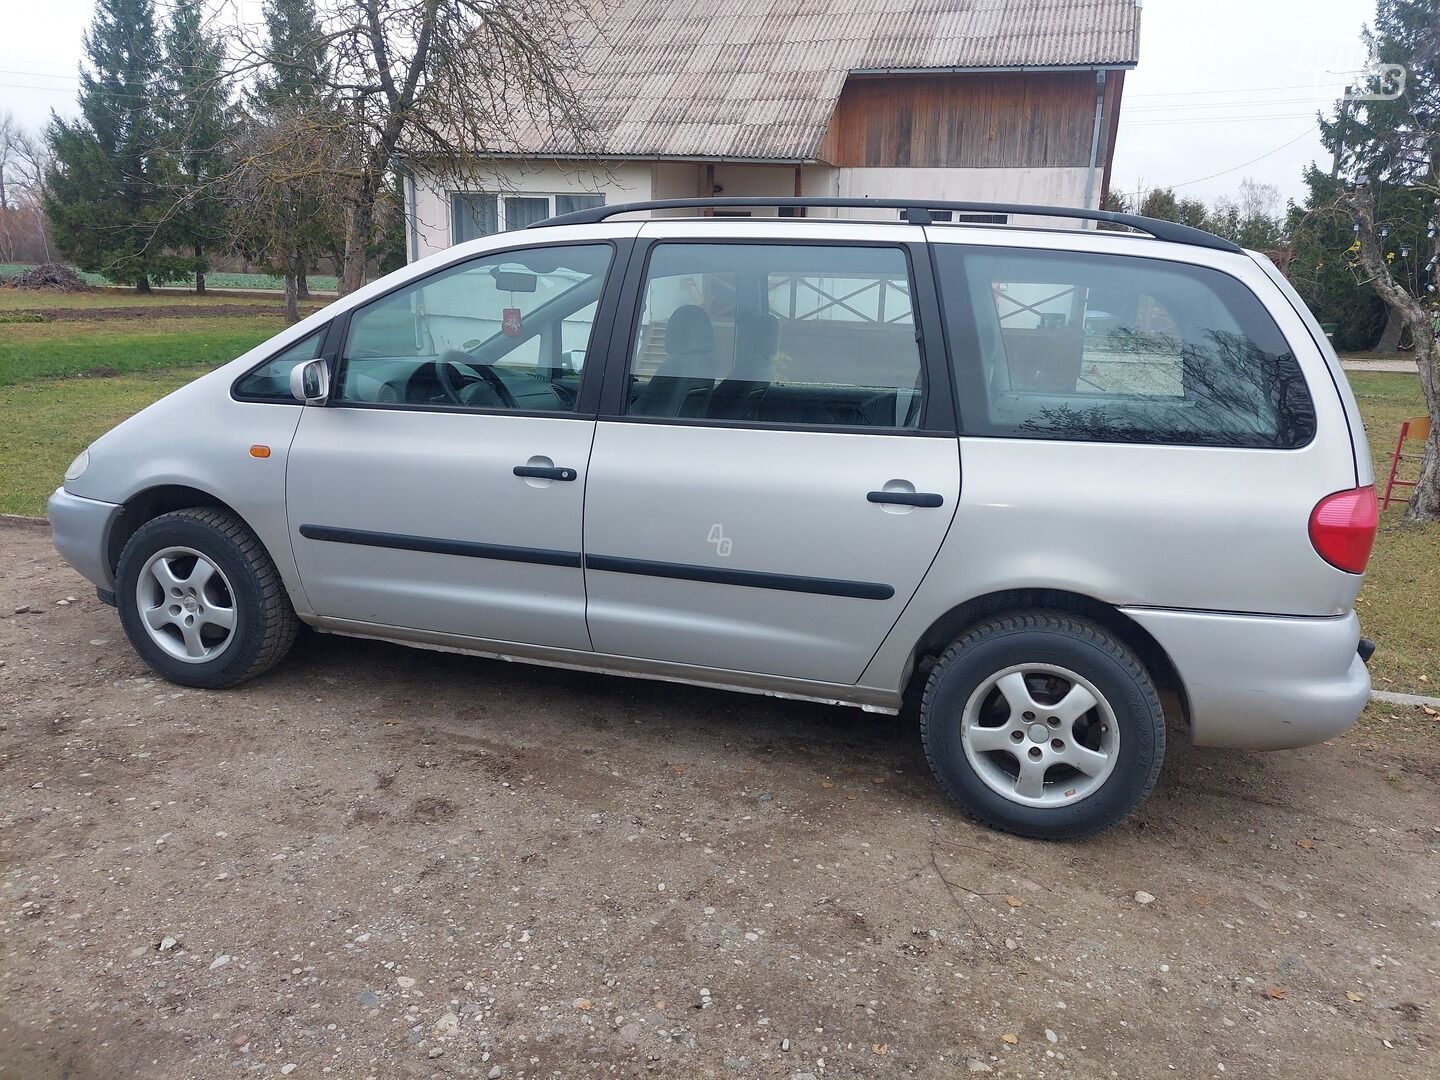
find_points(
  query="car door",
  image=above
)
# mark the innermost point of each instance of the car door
(775, 464)
(440, 488)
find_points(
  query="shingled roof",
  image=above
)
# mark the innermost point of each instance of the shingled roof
(759, 79)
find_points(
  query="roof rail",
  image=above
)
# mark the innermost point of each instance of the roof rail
(917, 212)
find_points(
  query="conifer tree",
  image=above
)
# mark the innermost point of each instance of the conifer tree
(108, 192)
(197, 115)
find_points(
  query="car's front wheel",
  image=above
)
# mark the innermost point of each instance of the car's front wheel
(1043, 724)
(201, 600)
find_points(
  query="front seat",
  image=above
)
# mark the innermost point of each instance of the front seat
(682, 384)
(757, 341)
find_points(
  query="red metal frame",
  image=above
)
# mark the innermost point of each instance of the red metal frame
(1418, 429)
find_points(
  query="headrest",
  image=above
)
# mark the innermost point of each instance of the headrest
(689, 331)
(757, 336)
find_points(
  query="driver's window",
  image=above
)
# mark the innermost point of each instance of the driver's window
(505, 331)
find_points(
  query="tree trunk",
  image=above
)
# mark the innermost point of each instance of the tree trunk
(358, 221)
(1389, 343)
(302, 282)
(1424, 504)
(1405, 310)
(142, 285)
(199, 273)
(292, 306)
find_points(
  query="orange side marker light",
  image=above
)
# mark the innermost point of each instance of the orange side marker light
(259, 451)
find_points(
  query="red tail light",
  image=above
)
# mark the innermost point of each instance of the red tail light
(1342, 528)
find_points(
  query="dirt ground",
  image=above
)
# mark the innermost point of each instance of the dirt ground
(382, 862)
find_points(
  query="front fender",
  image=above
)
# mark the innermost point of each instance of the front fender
(200, 437)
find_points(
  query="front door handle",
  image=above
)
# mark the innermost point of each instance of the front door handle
(906, 498)
(546, 472)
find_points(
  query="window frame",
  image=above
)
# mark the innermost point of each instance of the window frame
(958, 313)
(937, 416)
(327, 344)
(501, 225)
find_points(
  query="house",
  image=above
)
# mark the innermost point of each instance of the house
(979, 100)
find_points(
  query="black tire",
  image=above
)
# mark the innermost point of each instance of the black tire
(265, 622)
(1084, 648)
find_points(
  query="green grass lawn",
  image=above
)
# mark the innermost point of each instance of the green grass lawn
(1398, 605)
(103, 300)
(31, 351)
(217, 280)
(45, 423)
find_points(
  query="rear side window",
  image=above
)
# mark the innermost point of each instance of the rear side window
(800, 335)
(1112, 348)
(271, 380)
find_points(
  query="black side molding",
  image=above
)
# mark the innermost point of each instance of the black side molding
(906, 498)
(467, 548)
(752, 579)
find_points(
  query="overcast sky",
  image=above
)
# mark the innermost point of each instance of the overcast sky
(1224, 90)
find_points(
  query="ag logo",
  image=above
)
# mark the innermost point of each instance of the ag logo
(1382, 82)
(723, 544)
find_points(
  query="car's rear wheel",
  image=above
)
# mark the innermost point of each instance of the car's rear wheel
(201, 600)
(1043, 724)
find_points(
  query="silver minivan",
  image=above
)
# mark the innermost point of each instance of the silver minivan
(1035, 480)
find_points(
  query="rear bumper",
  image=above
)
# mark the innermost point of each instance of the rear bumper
(1260, 682)
(80, 531)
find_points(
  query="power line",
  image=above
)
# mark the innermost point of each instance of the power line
(32, 86)
(1235, 90)
(37, 74)
(1235, 168)
(1261, 103)
(1189, 120)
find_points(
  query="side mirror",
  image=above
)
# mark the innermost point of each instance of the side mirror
(310, 382)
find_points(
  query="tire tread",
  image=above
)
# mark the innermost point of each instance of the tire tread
(277, 617)
(1091, 633)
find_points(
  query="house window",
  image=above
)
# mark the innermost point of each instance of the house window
(567, 204)
(472, 216)
(523, 210)
(476, 214)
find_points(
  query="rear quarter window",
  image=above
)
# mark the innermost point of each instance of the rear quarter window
(1114, 348)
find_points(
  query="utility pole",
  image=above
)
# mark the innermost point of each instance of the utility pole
(1340, 134)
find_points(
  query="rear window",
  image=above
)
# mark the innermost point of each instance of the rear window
(1112, 348)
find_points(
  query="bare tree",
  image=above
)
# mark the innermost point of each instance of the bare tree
(23, 161)
(446, 81)
(9, 130)
(1420, 318)
(280, 184)
(1258, 200)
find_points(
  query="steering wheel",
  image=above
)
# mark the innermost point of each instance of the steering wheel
(447, 369)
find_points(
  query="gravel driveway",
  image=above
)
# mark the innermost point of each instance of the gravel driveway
(381, 862)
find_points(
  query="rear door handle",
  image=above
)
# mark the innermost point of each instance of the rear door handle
(906, 498)
(545, 472)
